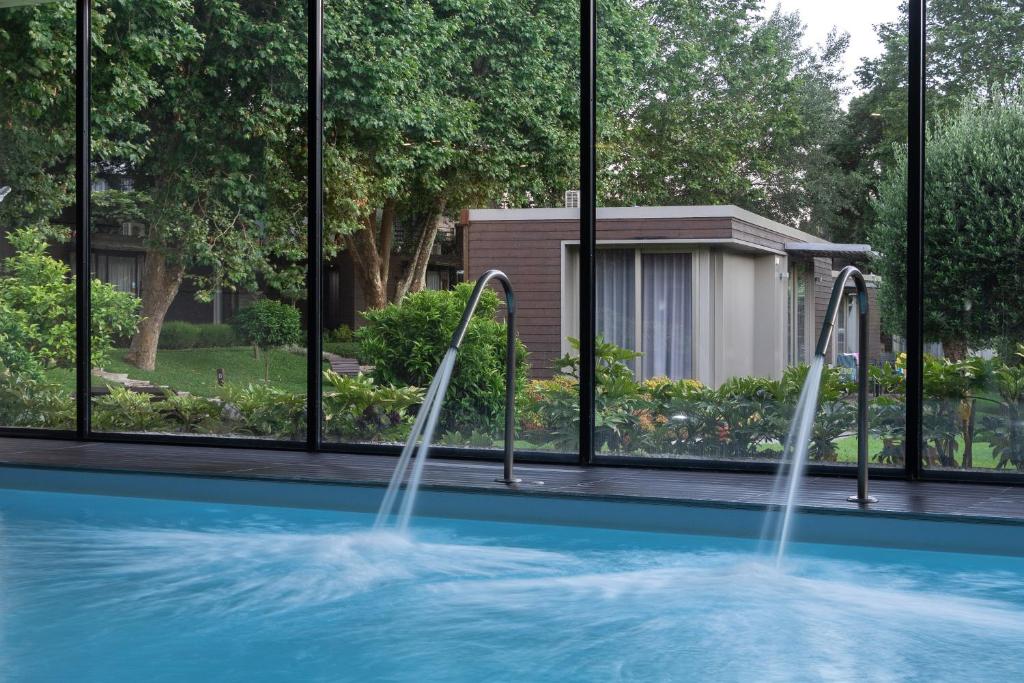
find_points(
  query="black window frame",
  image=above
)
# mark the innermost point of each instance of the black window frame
(911, 470)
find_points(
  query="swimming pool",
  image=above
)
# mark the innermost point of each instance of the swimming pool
(101, 588)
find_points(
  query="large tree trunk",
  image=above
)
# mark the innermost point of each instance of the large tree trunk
(370, 249)
(414, 279)
(160, 283)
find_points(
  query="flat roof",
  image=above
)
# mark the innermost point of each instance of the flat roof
(827, 249)
(728, 211)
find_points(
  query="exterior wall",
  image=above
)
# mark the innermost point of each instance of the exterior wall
(736, 312)
(532, 253)
(769, 296)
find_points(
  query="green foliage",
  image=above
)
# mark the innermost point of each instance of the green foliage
(358, 409)
(190, 414)
(29, 402)
(41, 292)
(267, 324)
(1006, 429)
(553, 406)
(342, 334)
(266, 411)
(177, 334)
(974, 181)
(124, 410)
(406, 341)
(16, 339)
(349, 349)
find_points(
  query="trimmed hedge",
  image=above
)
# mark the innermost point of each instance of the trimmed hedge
(176, 334)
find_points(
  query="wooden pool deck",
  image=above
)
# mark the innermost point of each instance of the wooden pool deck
(962, 501)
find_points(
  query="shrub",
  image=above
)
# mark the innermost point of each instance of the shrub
(266, 324)
(356, 408)
(15, 341)
(406, 341)
(190, 414)
(263, 410)
(554, 404)
(124, 410)
(40, 288)
(177, 334)
(349, 349)
(341, 334)
(29, 402)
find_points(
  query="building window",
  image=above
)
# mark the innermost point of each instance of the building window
(117, 268)
(796, 315)
(644, 302)
(847, 333)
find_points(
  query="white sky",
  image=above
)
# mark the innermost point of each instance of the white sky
(856, 17)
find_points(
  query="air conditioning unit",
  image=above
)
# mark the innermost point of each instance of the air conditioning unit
(572, 199)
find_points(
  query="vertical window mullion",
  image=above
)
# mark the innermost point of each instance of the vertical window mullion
(314, 223)
(915, 239)
(83, 198)
(588, 226)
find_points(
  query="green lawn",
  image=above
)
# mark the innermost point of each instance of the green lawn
(195, 370)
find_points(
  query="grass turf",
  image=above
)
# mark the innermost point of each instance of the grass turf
(195, 370)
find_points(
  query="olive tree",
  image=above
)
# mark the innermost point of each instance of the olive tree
(973, 229)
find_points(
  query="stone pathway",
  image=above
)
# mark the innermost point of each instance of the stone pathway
(139, 385)
(344, 366)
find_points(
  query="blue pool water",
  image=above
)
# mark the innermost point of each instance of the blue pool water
(96, 588)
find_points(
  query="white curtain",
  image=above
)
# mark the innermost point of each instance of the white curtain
(667, 316)
(616, 296)
(852, 325)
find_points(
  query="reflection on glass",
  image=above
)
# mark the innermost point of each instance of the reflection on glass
(450, 138)
(37, 201)
(733, 187)
(974, 188)
(198, 218)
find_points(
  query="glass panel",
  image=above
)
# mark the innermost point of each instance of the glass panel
(37, 213)
(451, 144)
(740, 144)
(973, 272)
(199, 205)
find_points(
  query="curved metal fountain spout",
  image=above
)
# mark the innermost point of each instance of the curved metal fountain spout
(845, 275)
(510, 359)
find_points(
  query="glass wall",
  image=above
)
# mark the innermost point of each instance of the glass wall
(746, 153)
(451, 145)
(37, 207)
(974, 238)
(740, 150)
(198, 218)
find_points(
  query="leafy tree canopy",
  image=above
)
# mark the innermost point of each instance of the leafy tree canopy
(974, 184)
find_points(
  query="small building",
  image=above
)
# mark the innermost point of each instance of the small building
(703, 292)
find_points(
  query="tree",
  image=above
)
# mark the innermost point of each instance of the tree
(267, 324)
(975, 51)
(432, 106)
(974, 210)
(196, 107)
(732, 109)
